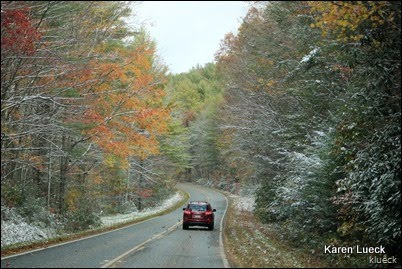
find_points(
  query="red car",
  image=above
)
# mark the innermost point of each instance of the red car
(198, 213)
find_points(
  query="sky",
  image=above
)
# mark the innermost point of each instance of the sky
(188, 33)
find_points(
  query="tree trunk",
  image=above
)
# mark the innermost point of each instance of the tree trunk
(63, 174)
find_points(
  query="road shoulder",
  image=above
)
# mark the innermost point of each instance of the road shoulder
(252, 244)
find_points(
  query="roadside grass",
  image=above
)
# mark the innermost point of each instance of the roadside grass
(251, 244)
(23, 247)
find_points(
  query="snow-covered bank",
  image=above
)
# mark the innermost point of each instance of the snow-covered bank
(14, 228)
(119, 218)
(243, 203)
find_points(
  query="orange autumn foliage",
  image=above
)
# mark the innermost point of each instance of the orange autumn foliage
(126, 108)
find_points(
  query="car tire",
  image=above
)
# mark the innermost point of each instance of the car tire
(185, 226)
(211, 227)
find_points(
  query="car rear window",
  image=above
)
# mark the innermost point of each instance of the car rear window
(198, 207)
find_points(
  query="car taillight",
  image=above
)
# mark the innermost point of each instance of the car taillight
(187, 212)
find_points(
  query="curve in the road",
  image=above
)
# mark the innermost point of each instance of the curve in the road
(102, 250)
(195, 247)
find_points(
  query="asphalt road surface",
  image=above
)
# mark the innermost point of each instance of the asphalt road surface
(156, 243)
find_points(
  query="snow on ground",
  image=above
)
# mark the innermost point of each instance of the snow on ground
(243, 203)
(119, 218)
(14, 229)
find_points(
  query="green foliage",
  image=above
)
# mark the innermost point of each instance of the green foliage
(194, 90)
(175, 145)
(81, 220)
(12, 195)
(192, 140)
(204, 134)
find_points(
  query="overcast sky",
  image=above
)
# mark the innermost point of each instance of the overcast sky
(189, 32)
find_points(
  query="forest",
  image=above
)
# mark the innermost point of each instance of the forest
(301, 108)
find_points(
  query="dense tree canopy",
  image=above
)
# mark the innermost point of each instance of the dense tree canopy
(82, 103)
(302, 107)
(314, 104)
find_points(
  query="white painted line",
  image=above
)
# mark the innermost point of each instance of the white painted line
(222, 250)
(131, 251)
(206, 195)
(83, 238)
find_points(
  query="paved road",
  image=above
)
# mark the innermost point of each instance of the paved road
(157, 243)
